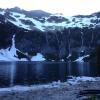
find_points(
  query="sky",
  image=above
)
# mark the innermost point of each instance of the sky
(67, 7)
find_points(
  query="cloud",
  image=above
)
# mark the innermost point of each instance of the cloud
(67, 7)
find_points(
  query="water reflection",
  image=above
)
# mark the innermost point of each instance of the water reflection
(12, 73)
(25, 73)
(69, 69)
(83, 68)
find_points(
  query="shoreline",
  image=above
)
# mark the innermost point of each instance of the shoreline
(53, 91)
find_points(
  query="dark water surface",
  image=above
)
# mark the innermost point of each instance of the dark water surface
(27, 73)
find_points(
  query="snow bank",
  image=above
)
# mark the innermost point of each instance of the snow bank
(76, 80)
(32, 87)
(72, 81)
(22, 25)
(9, 54)
(80, 59)
(38, 57)
(72, 21)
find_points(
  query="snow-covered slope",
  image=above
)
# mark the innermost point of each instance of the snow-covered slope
(53, 21)
(10, 54)
(47, 36)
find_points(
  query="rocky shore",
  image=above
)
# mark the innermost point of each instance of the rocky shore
(55, 91)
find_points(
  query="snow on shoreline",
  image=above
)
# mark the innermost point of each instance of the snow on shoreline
(72, 81)
(30, 87)
(10, 54)
(7, 55)
(76, 80)
(38, 57)
(80, 59)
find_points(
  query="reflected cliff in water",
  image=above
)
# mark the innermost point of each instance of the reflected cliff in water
(27, 73)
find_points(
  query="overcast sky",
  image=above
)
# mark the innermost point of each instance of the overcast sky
(67, 7)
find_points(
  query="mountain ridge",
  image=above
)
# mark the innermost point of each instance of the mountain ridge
(46, 21)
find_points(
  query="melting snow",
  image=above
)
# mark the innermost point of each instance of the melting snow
(80, 59)
(23, 17)
(38, 57)
(72, 22)
(76, 80)
(73, 81)
(32, 87)
(10, 53)
(19, 24)
(13, 48)
(7, 55)
(2, 12)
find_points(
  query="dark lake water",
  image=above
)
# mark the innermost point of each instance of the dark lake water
(27, 73)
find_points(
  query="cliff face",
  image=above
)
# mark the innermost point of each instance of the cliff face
(56, 37)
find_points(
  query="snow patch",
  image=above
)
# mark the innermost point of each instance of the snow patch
(2, 12)
(23, 17)
(80, 59)
(38, 57)
(76, 80)
(58, 84)
(69, 55)
(13, 48)
(9, 53)
(62, 60)
(72, 22)
(19, 24)
(19, 88)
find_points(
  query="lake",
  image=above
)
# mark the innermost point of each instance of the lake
(28, 73)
